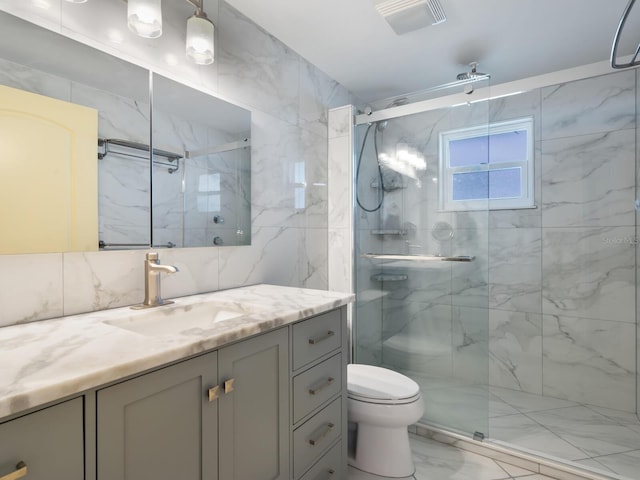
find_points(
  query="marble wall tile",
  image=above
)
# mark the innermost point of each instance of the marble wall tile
(197, 271)
(340, 268)
(31, 287)
(314, 259)
(314, 172)
(339, 186)
(271, 258)
(256, 67)
(589, 273)
(318, 93)
(515, 350)
(101, 280)
(513, 107)
(471, 344)
(515, 269)
(589, 361)
(598, 104)
(589, 180)
(339, 121)
(470, 280)
(20, 76)
(275, 152)
(367, 332)
(417, 337)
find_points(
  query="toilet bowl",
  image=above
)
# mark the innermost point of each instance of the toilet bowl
(381, 405)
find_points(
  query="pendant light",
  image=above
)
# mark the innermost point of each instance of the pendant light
(200, 35)
(144, 17)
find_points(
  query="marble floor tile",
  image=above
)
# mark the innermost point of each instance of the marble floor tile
(435, 460)
(528, 402)
(514, 471)
(589, 431)
(523, 432)
(627, 463)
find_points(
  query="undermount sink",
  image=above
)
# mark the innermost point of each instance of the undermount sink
(179, 319)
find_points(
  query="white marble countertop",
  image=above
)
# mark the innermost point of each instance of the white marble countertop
(44, 361)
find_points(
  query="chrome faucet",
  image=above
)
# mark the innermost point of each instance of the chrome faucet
(152, 290)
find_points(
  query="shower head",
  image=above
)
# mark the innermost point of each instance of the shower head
(472, 74)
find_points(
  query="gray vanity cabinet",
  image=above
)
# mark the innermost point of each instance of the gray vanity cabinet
(220, 415)
(44, 445)
(254, 416)
(160, 425)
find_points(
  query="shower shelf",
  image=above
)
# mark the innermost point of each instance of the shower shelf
(389, 232)
(389, 277)
(419, 258)
(390, 186)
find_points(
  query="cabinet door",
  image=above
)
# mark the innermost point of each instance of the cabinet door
(160, 425)
(50, 442)
(254, 432)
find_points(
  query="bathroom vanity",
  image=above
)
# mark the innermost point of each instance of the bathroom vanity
(251, 385)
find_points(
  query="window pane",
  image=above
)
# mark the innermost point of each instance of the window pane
(471, 185)
(508, 147)
(468, 151)
(505, 183)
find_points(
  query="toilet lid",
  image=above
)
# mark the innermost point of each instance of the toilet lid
(378, 383)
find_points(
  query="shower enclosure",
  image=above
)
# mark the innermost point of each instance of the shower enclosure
(495, 263)
(421, 267)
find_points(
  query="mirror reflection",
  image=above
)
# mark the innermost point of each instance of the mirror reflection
(205, 197)
(90, 182)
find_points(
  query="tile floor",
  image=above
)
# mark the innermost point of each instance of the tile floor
(437, 461)
(589, 436)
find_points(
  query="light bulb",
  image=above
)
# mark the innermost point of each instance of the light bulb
(145, 17)
(200, 31)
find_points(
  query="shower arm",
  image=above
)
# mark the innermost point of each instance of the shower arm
(616, 40)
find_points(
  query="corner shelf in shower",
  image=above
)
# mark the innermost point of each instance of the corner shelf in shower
(390, 186)
(389, 277)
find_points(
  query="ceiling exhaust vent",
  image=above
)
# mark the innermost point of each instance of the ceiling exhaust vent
(408, 15)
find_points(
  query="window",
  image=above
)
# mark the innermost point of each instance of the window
(209, 192)
(487, 167)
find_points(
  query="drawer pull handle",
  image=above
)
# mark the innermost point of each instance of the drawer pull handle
(228, 385)
(314, 390)
(314, 441)
(213, 393)
(19, 472)
(317, 340)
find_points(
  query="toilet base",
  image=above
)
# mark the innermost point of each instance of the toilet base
(371, 440)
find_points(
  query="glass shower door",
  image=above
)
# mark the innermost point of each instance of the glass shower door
(421, 257)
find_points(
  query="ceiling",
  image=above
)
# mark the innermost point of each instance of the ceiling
(511, 39)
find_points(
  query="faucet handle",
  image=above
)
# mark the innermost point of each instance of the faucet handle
(153, 256)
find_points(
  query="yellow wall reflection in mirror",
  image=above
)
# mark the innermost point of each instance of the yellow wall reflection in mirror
(48, 174)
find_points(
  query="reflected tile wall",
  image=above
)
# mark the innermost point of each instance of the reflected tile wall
(288, 98)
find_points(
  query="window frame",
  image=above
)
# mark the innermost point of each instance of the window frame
(446, 173)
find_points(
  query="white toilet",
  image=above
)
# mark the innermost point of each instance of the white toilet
(382, 404)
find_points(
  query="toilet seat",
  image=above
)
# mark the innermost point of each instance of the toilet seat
(368, 383)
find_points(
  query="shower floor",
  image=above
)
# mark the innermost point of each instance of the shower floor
(595, 438)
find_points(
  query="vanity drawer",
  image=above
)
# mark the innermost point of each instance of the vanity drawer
(329, 466)
(316, 337)
(315, 386)
(313, 437)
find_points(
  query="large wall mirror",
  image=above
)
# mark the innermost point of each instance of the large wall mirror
(82, 169)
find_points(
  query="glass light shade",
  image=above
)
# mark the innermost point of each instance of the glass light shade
(200, 47)
(145, 17)
(77, 1)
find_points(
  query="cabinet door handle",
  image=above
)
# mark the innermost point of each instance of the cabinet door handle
(228, 385)
(315, 440)
(213, 392)
(314, 390)
(321, 338)
(19, 472)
